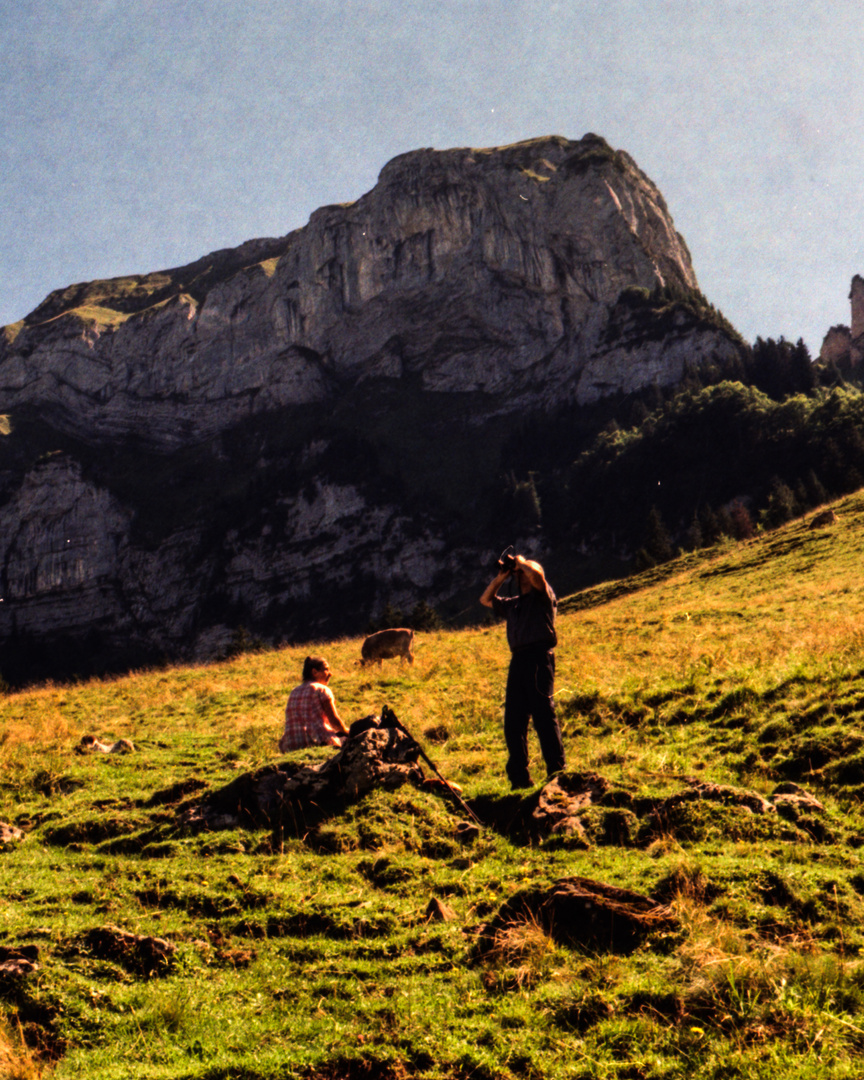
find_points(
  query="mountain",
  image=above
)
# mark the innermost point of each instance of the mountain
(286, 436)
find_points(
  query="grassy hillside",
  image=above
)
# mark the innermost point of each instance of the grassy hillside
(315, 955)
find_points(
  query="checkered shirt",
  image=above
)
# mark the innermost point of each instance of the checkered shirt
(306, 723)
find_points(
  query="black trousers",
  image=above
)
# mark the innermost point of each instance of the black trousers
(530, 683)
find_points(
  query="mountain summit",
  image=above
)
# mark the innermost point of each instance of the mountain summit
(492, 271)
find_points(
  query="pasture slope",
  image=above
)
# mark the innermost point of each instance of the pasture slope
(711, 696)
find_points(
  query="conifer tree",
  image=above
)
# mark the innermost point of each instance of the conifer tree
(694, 537)
(709, 524)
(801, 367)
(742, 524)
(658, 542)
(781, 504)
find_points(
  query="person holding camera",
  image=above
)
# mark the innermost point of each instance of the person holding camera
(311, 718)
(530, 617)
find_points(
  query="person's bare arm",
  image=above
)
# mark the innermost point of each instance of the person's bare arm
(493, 587)
(333, 716)
(533, 571)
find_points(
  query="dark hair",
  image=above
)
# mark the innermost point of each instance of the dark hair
(312, 664)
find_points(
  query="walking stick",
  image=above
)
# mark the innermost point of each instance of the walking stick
(389, 719)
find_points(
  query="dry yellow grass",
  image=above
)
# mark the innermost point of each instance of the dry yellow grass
(766, 605)
(745, 966)
(12, 331)
(749, 612)
(17, 1061)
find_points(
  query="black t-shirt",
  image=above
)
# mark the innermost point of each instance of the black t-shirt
(530, 618)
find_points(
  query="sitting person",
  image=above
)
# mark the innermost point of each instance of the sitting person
(311, 718)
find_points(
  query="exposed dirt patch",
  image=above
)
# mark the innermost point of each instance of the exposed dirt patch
(344, 1069)
(176, 792)
(49, 783)
(19, 967)
(313, 922)
(584, 913)
(294, 799)
(136, 953)
(90, 831)
(198, 904)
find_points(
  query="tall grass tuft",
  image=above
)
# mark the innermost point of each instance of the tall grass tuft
(17, 1060)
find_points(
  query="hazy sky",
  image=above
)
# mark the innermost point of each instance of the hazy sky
(140, 136)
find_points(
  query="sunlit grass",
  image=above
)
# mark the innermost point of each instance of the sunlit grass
(741, 667)
(12, 330)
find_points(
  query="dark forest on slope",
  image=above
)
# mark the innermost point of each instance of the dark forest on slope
(730, 449)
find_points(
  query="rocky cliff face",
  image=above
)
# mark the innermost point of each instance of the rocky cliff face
(492, 271)
(268, 437)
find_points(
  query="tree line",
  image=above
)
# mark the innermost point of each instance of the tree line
(737, 446)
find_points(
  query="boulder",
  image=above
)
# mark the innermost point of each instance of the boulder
(379, 757)
(579, 912)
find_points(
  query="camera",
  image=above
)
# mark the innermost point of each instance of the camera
(507, 562)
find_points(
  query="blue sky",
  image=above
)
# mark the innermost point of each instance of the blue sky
(136, 137)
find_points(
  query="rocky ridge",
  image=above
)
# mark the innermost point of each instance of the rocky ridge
(262, 437)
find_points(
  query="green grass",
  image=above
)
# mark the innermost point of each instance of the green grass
(315, 957)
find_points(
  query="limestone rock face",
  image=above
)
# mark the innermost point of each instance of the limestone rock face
(485, 271)
(844, 345)
(287, 435)
(73, 571)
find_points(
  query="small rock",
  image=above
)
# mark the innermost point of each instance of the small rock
(135, 952)
(91, 743)
(793, 799)
(467, 832)
(438, 911)
(18, 961)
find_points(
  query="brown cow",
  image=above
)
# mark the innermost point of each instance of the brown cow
(387, 644)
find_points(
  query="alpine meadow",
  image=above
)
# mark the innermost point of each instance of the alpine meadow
(214, 473)
(714, 705)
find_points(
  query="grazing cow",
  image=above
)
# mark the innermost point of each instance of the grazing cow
(827, 517)
(387, 644)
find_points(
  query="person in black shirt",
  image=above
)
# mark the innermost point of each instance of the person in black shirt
(530, 681)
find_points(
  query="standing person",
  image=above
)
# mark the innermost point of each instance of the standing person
(530, 681)
(311, 718)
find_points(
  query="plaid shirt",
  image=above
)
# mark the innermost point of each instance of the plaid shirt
(306, 723)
